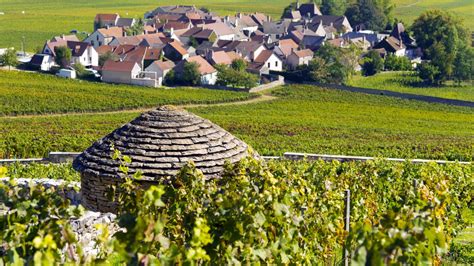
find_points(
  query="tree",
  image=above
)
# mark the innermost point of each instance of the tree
(429, 73)
(333, 7)
(193, 42)
(106, 57)
(464, 65)
(228, 76)
(441, 36)
(397, 63)
(80, 69)
(288, 9)
(63, 55)
(191, 75)
(239, 64)
(372, 64)
(337, 62)
(375, 14)
(9, 58)
(136, 28)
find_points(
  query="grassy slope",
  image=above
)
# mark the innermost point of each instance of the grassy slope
(405, 82)
(46, 18)
(304, 119)
(30, 93)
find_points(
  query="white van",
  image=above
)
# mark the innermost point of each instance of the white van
(67, 73)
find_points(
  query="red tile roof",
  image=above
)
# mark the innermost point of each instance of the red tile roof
(118, 66)
(263, 56)
(204, 66)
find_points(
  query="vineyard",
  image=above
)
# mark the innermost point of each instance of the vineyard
(301, 119)
(32, 93)
(274, 213)
(407, 82)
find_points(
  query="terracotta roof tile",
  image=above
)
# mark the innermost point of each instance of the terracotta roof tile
(124, 66)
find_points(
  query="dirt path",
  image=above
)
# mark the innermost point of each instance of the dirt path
(412, 4)
(261, 98)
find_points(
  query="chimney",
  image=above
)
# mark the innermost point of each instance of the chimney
(171, 31)
(237, 22)
(62, 37)
(298, 5)
(239, 15)
(269, 18)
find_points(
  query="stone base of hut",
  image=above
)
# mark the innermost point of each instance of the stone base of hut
(94, 192)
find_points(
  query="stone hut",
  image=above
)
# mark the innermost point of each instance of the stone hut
(159, 143)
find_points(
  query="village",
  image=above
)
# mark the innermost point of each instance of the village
(186, 45)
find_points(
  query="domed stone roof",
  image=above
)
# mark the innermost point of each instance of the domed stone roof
(159, 143)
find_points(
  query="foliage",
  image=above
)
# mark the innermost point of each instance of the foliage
(374, 14)
(397, 63)
(80, 70)
(410, 82)
(372, 63)
(228, 76)
(239, 64)
(265, 213)
(464, 65)
(330, 65)
(442, 37)
(34, 225)
(193, 42)
(288, 9)
(136, 29)
(190, 75)
(106, 57)
(54, 95)
(37, 170)
(429, 73)
(9, 58)
(63, 56)
(333, 7)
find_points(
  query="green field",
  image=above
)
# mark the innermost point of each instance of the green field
(43, 19)
(302, 119)
(32, 93)
(408, 83)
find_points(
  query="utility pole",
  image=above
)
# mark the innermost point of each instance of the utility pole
(347, 221)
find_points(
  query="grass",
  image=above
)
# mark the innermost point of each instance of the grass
(31, 93)
(303, 119)
(43, 19)
(408, 83)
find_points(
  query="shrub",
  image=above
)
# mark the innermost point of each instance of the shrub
(372, 64)
(397, 63)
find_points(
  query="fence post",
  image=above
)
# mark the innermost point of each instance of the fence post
(347, 221)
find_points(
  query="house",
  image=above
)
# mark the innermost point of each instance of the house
(222, 31)
(125, 22)
(105, 20)
(308, 10)
(392, 46)
(128, 72)
(298, 58)
(270, 59)
(208, 73)
(340, 23)
(83, 53)
(161, 68)
(175, 51)
(175, 9)
(312, 42)
(275, 30)
(218, 57)
(249, 50)
(104, 36)
(285, 47)
(42, 62)
(293, 16)
(71, 37)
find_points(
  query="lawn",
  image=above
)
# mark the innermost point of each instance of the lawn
(408, 83)
(303, 119)
(32, 93)
(43, 19)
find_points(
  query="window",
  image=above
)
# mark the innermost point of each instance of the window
(276, 63)
(97, 37)
(268, 64)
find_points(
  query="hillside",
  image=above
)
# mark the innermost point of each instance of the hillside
(43, 19)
